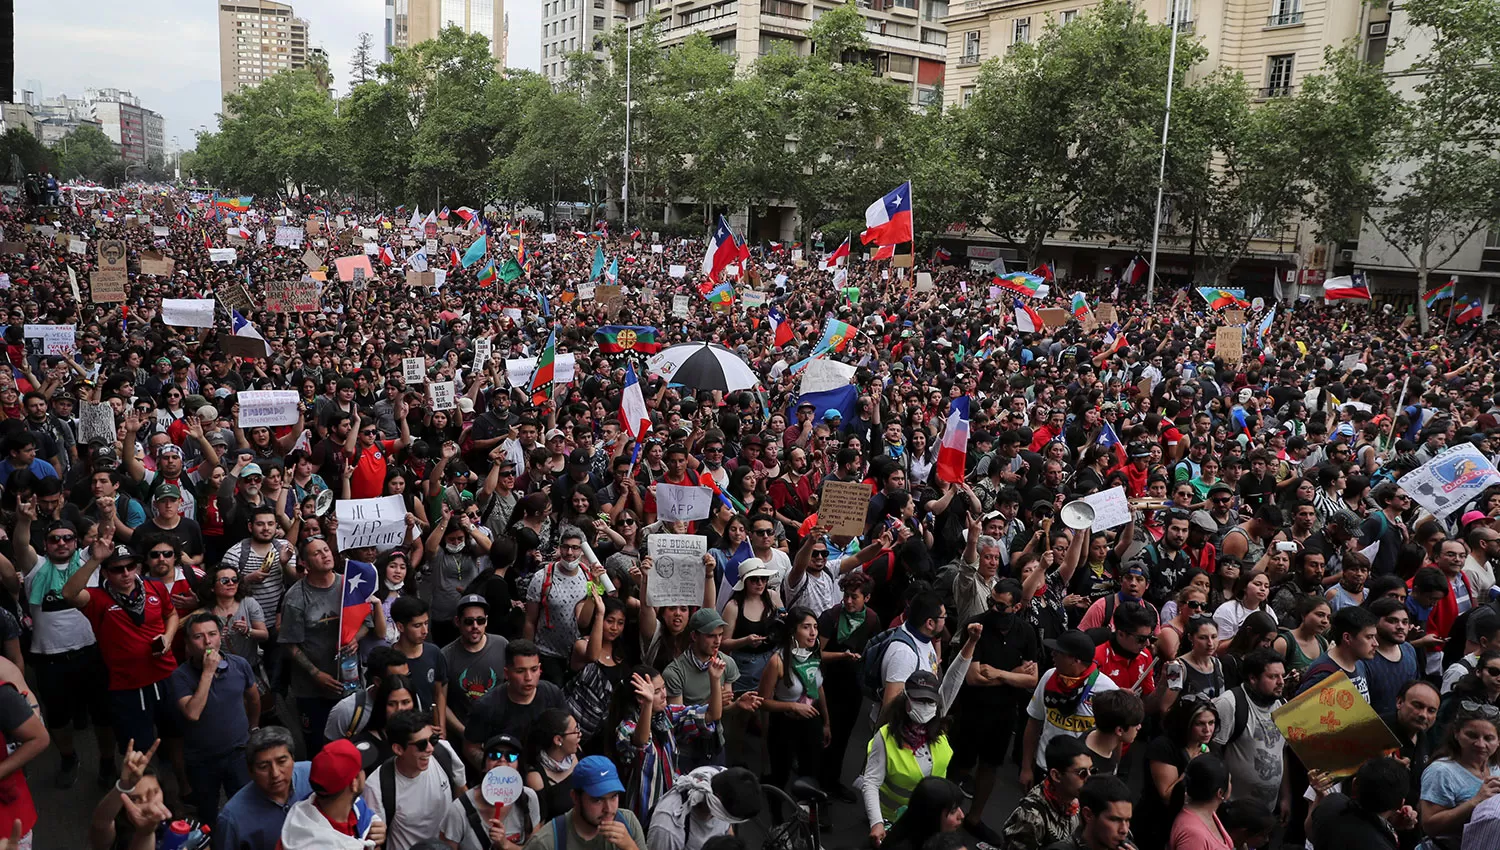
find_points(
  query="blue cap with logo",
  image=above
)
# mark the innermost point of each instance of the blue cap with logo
(596, 776)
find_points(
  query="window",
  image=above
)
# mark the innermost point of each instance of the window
(936, 10)
(971, 48)
(1279, 75)
(1021, 32)
(965, 95)
(598, 22)
(1067, 16)
(1285, 13)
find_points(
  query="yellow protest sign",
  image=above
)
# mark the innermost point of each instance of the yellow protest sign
(1332, 728)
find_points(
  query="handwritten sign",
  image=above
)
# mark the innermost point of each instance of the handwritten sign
(223, 255)
(188, 312)
(153, 262)
(677, 503)
(502, 786)
(371, 522)
(1054, 317)
(78, 246)
(1228, 344)
(311, 259)
(414, 370)
(269, 408)
(924, 282)
(483, 348)
(294, 296)
(50, 339)
(107, 288)
(289, 237)
(518, 371)
(585, 292)
(235, 297)
(677, 271)
(444, 395)
(1332, 728)
(1106, 314)
(96, 421)
(823, 374)
(676, 568)
(843, 506)
(111, 276)
(680, 306)
(1111, 508)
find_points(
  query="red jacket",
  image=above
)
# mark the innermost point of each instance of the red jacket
(1440, 621)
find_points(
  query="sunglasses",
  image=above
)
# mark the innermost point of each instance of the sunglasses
(1193, 604)
(422, 743)
(502, 756)
(1480, 708)
(229, 581)
(119, 569)
(624, 522)
(474, 621)
(162, 553)
(821, 554)
(1493, 671)
(761, 531)
(1082, 772)
(61, 538)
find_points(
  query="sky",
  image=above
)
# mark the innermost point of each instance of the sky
(166, 52)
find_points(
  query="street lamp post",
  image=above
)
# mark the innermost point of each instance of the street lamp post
(626, 221)
(1161, 174)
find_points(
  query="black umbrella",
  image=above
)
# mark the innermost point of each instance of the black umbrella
(703, 366)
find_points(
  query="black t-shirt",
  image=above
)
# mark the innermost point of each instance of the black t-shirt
(427, 670)
(1338, 822)
(188, 534)
(494, 713)
(1006, 651)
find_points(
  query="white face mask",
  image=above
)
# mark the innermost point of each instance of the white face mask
(921, 712)
(454, 548)
(801, 654)
(568, 566)
(396, 586)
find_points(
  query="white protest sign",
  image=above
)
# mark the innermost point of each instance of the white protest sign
(289, 237)
(72, 284)
(96, 421)
(823, 374)
(371, 522)
(1111, 508)
(656, 249)
(78, 246)
(502, 786)
(680, 306)
(369, 233)
(1450, 480)
(676, 503)
(371, 249)
(188, 312)
(585, 292)
(162, 232)
(676, 569)
(414, 370)
(677, 271)
(268, 407)
(519, 371)
(443, 394)
(752, 299)
(483, 347)
(53, 339)
(439, 277)
(549, 238)
(222, 255)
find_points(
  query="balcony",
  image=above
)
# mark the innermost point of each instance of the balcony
(968, 59)
(1275, 91)
(1187, 27)
(1284, 19)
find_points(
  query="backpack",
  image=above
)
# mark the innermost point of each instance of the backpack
(560, 836)
(1241, 702)
(872, 681)
(388, 781)
(361, 702)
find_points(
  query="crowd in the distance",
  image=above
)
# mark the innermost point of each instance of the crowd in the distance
(178, 585)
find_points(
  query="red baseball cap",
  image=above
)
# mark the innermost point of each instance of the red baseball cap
(335, 766)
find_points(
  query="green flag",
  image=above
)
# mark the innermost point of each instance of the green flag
(510, 271)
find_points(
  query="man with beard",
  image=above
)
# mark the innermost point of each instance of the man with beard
(239, 495)
(1484, 549)
(551, 602)
(1133, 587)
(1252, 743)
(1416, 711)
(1062, 702)
(1395, 662)
(999, 680)
(1165, 560)
(1304, 579)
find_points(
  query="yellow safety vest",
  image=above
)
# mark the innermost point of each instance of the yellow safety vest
(902, 773)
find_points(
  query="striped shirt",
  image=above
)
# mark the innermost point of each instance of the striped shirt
(270, 591)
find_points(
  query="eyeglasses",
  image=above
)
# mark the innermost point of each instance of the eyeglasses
(510, 757)
(61, 538)
(1483, 709)
(421, 743)
(1193, 604)
(714, 449)
(473, 621)
(367, 432)
(1222, 500)
(252, 478)
(624, 521)
(228, 581)
(761, 531)
(1135, 637)
(1082, 772)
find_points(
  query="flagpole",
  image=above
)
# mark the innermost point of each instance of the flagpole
(626, 163)
(1161, 174)
(912, 200)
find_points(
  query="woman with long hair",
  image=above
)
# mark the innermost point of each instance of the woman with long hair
(244, 623)
(1305, 642)
(649, 730)
(911, 739)
(395, 693)
(792, 690)
(1190, 600)
(552, 751)
(748, 616)
(1464, 772)
(1479, 687)
(1258, 630)
(921, 458)
(1205, 786)
(1251, 590)
(531, 528)
(600, 668)
(936, 807)
(1187, 731)
(391, 573)
(1197, 671)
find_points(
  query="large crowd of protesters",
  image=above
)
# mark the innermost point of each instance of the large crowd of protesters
(178, 587)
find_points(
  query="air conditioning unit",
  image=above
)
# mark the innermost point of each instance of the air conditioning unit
(1346, 255)
(1378, 29)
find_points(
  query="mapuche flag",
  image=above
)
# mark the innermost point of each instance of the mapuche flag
(541, 379)
(617, 339)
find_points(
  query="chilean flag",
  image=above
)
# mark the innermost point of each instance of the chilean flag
(884, 252)
(781, 328)
(888, 220)
(443, 216)
(1346, 287)
(385, 256)
(954, 450)
(722, 251)
(1133, 272)
(634, 417)
(359, 586)
(1468, 312)
(1028, 321)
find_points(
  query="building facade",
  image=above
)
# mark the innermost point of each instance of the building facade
(140, 132)
(569, 26)
(258, 38)
(410, 22)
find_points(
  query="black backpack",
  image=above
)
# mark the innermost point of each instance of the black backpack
(387, 773)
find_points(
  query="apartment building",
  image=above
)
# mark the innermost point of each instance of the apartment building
(410, 22)
(908, 38)
(258, 38)
(572, 25)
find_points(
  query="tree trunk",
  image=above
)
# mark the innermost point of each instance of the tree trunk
(1423, 319)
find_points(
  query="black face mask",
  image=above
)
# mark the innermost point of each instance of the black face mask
(999, 617)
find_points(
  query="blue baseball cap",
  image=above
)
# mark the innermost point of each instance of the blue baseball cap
(832, 413)
(596, 776)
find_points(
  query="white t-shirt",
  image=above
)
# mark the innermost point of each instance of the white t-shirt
(1457, 670)
(1077, 724)
(1231, 615)
(901, 661)
(818, 591)
(782, 565)
(421, 801)
(64, 630)
(456, 826)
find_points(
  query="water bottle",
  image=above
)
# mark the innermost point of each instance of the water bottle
(176, 835)
(349, 671)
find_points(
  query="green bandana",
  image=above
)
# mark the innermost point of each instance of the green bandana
(849, 623)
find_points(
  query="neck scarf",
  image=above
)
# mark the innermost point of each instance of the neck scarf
(554, 766)
(132, 603)
(913, 735)
(1049, 793)
(1065, 694)
(806, 671)
(849, 623)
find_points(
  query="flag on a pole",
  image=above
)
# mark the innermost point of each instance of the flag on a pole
(1346, 287)
(722, 251)
(359, 586)
(1263, 331)
(1218, 299)
(241, 327)
(487, 275)
(781, 328)
(598, 267)
(888, 220)
(476, 251)
(385, 256)
(1020, 283)
(941, 255)
(954, 449)
(1134, 271)
(836, 335)
(634, 417)
(838, 257)
(1107, 437)
(541, 379)
(617, 339)
(443, 215)
(1468, 312)
(884, 252)
(416, 219)
(612, 275)
(1438, 293)
(1045, 272)
(1080, 306)
(510, 270)
(1028, 320)
(721, 293)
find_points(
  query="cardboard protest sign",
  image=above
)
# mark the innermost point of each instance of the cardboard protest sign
(680, 306)
(1234, 317)
(293, 296)
(314, 226)
(268, 408)
(111, 276)
(12, 247)
(289, 237)
(1106, 314)
(610, 297)
(1228, 344)
(1331, 727)
(188, 312)
(152, 262)
(444, 395)
(106, 288)
(677, 503)
(48, 340)
(311, 259)
(924, 282)
(843, 506)
(677, 573)
(235, 297)
(347, 265)
(377, 522)
(423, 280)
(586, 292)
(1054, 317)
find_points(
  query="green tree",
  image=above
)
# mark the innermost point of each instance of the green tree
(362, 63)
(277, 136)
(317, 65)
(85, 152)
(376, 140)
(35, 157)
(1439, 184)
(1066, 129)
